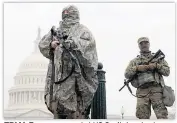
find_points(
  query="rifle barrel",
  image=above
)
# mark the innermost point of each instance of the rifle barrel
(122, 87)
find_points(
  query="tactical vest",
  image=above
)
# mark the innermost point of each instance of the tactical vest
(142, 77)
(145, 77)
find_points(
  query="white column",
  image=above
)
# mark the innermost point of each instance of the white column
(42, 96)
(41, 80)
(29, 97)
(9, 99)
(24, 96)
(34, 96)
(25, 99)
(38, 96)
(16, 97)
(40, 93)
(19, 98)
(13, 97)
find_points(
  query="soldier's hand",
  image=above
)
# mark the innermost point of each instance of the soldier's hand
(142, 68)
(152, 66)
(54, 44)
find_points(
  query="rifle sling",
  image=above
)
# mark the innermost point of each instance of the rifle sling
(135, 95)
(72, 70)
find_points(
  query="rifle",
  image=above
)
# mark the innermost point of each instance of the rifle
(159, 55)
(56, 34)
(53, 74)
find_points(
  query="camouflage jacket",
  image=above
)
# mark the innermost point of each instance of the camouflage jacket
(161, 70)
(83, 43)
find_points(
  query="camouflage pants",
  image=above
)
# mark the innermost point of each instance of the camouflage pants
(58, 110)
(143, 108)
(72, 115)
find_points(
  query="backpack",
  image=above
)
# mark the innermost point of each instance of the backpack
(168, 96)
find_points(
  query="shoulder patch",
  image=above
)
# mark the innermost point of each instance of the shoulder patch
(85, 36)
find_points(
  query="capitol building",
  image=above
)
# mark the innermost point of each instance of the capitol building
(26, 97)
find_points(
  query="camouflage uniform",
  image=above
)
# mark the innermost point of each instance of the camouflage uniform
(72, 98)
(148, 82)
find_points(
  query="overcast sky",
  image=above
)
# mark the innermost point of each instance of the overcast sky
(116, 28)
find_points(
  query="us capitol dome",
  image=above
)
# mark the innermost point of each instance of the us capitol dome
(26, 97)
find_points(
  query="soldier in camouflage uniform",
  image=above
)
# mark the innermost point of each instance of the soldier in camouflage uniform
(71, 98)
(148, 79)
